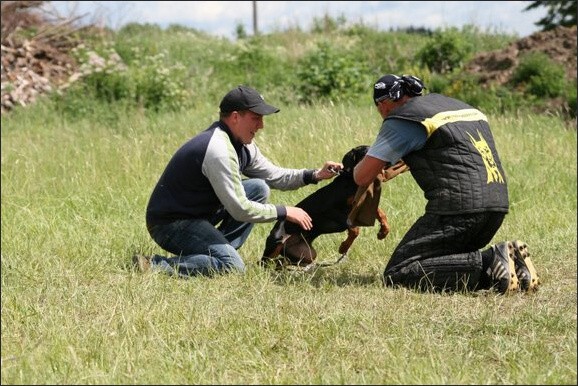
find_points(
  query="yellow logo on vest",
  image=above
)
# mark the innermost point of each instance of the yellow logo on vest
(481, 145)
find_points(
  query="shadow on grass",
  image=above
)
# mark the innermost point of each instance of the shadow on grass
(324, 276)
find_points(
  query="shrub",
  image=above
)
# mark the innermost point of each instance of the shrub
(445, 52)
(159, 86)
(539, 75)
(328, 24)
(253, 63)
(147, 83)
(490, 100)
(438, 84)
(329, 75)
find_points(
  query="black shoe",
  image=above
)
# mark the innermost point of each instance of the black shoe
(525, 270)
(502, 272)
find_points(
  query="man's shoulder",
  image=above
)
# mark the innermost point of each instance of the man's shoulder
(402, 125)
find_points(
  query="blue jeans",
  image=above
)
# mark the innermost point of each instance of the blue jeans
(203, 248)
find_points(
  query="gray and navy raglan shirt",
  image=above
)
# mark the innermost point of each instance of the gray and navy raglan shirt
(205, 175)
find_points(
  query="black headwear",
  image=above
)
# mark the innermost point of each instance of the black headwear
(393, 87)
(246, 98)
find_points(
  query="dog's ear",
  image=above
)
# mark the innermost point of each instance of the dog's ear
(358, 153)
(348, 161)
(352, 157)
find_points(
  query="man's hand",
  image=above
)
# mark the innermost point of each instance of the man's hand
(390, 172)
(329, 170)
(299, 216)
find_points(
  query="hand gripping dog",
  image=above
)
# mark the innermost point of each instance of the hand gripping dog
(340, 205)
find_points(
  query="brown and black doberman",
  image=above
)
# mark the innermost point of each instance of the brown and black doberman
(330, 208)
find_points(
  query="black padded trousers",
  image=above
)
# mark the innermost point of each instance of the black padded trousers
(442, 252)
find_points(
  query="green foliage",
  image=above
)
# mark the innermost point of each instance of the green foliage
(240, 31)
(158, 86)
(147, 82)
(180, 44)
(560, 12)
(491, 100)
(327, 74)
(328, 24)
(438, 84)
(254, 63)
(539, 76)
(144, 67)
(383, 52)
(446, 51)
(140, 29)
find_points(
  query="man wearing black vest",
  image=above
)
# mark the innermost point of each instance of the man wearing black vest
(451, 154)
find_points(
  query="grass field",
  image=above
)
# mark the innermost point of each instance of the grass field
(74, 312)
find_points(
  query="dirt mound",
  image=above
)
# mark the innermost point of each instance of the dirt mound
(497, 67)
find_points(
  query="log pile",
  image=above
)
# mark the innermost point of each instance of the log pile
(36, 63)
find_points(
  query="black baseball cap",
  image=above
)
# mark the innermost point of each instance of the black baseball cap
(246, 98)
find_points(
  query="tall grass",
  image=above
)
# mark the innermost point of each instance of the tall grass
(74, 312)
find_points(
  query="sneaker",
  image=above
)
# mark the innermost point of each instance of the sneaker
(142, 263)
(525, 270)
(503, 271)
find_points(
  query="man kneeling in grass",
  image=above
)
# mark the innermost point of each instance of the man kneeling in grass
(450, 151)
(202, 209)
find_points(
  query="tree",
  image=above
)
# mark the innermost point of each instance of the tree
(560, 13)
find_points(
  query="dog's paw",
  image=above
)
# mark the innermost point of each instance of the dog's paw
(382, 235)
(276, 263)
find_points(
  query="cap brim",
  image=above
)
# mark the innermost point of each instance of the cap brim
(264, 109)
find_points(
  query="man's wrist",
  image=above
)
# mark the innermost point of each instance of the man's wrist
(316, 175)
(309, 177)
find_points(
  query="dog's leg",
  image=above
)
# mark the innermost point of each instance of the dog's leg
(299, 250)
(352, 234)
(274, 246)
(271, 256)
(383, 224)
(275, 252)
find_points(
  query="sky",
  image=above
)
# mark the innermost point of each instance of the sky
(221, 18)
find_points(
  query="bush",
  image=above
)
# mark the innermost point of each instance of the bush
(158, 86)
(490, 100)
(254, 63)
(148, 82)
(326, 74)
(446, 51)
(539, 76)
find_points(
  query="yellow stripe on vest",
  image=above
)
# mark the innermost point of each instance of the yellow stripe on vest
(440, 119)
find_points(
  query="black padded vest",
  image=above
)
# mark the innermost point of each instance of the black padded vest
(458, 169)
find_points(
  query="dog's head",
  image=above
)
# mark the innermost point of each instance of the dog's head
(352, 158)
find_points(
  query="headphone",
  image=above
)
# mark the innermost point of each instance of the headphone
(413, 85)
(406, 85)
